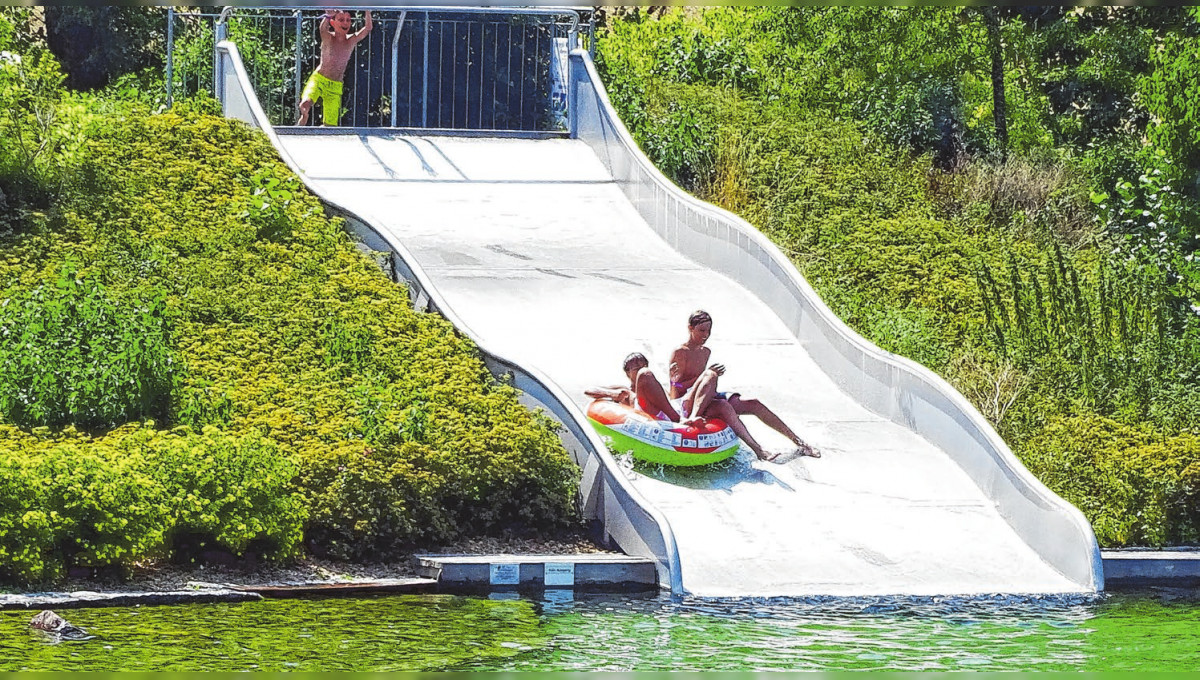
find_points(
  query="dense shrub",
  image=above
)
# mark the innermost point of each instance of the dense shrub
(236, 491)
(68, 499)
(26, 536)
(1136, 486)
(306, 397)
(30, 101)
(72, 353)
(97, 44)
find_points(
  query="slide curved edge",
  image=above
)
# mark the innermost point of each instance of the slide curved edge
(912, 395)
(635, 525)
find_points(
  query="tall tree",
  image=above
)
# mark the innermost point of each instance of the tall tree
(991, 18)
(95, 44)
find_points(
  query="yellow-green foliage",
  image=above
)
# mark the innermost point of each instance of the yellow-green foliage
(1136, 486)
(70, 499)
(397, 432)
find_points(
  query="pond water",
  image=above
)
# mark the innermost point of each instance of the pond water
(1157, 630)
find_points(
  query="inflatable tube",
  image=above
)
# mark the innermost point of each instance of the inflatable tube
(662, 441)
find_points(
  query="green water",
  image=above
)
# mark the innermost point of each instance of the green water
(1151, 631)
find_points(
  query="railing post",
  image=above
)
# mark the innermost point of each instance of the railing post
(170, 56)
(299, 42)
(219, 34)
(572, 96)
(592, 34)
(425, 78)
(396, 65)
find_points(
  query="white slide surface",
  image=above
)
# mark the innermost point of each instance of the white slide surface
(540, 253)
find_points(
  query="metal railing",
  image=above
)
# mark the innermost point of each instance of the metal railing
(190, 45)
(458, 68)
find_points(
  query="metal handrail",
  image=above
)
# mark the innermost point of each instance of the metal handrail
(447, 9)
(220, 31)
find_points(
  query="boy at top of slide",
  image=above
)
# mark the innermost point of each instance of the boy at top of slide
(325, 84)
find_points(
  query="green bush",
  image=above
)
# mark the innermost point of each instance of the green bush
(1171, 95)
(30, 98)
(235, 491)
(70, 500)
(27, 539)
(1134, 485)
(106, 510)
(72, 353)
(308, 404)
(97, 44)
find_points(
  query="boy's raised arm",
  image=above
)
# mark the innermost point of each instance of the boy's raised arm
(324, 29)
(362, 32)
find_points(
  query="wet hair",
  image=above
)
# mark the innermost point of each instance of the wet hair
(632, 359)
(698, 317)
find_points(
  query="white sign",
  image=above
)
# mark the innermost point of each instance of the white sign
(560, 574)
(505, 574)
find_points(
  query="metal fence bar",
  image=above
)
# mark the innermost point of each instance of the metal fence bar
(591, 34)
(299, 40)
(495, 70)
(425, 78)
(396, 67)
(170, 55)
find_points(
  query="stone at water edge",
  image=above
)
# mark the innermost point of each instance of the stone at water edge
(50, 622)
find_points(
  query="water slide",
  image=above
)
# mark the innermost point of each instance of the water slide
(559, 254)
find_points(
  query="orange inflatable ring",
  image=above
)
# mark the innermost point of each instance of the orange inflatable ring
(662, 441)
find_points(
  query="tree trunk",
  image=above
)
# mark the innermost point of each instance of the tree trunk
(991, 17)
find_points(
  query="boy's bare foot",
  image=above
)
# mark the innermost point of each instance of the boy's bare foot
(804, 449)
(768, 456)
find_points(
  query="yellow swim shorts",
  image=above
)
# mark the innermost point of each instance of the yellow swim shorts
(330, 94)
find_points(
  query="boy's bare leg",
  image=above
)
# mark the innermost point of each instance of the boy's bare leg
(759, 410)
(723, 410)
(305, 109)
(651, 392)
(703, 395)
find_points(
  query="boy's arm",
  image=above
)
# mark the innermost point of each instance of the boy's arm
(362, 32)
(324, 29)
(621, 395)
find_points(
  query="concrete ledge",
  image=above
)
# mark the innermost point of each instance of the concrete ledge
(87, 598)
(301, 590)
(1136, 568)
(596, 572)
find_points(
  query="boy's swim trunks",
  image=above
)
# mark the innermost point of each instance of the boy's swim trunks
(330, 94)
